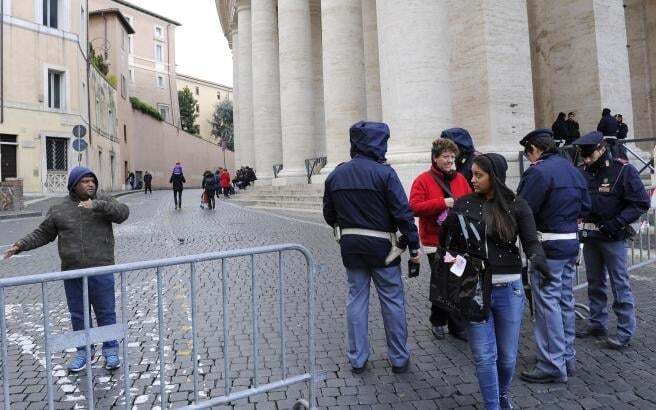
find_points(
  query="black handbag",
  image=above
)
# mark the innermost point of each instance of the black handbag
(468, 295)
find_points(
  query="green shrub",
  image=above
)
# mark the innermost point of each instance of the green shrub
(111, 78)
(147, 109)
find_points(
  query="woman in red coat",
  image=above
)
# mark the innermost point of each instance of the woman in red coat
(432, 195)
(225, 182)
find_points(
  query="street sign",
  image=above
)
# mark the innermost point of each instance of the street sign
(79, 131)
(80, 145)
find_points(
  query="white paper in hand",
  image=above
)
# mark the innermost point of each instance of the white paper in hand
(448, 258)
(459, 265)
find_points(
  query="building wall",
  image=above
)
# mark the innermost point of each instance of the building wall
(142, 60)
(30, 50)
(172, 144)
(206, 94)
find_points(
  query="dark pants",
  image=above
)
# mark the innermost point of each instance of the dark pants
(148, 188)
(101, 299)
(439, 316)
(177, 197)
(211, 201)
(226, 192)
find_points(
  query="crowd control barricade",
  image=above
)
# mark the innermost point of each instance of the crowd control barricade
(53, 343)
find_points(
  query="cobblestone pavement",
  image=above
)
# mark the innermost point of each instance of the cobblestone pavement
(441, 374)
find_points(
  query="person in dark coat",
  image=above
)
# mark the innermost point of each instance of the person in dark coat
(430, 202)
(559, 129)
(365, 204)
(608, 124)
(177, 180)
(466, 149)
(619, 199)
(210, 185)
(148, 181)
(498, 218)
(619, 150)
(558, 196)
(83, 223)
(572, 128)
(131, 180)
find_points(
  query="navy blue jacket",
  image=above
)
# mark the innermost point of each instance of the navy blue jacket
(608, 126)
(366, 193)
(618, 195)
(558, 196)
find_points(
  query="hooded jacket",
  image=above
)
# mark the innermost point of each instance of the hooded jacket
(607, 125)
(463, 140)
(366, 193)
(86, 237)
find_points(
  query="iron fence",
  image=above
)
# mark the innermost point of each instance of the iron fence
(119, 331)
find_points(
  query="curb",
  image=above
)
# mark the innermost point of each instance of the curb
(32, 214)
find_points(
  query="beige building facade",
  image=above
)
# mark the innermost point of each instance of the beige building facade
(45, 93)
(207, 94)
(309, 69)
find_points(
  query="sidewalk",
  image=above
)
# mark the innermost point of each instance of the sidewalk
(38, 207)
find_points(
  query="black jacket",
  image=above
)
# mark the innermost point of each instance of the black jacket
(560, 130)
(501, 257)
(177, 180)
(622, 131)
(607, 126)
(148, 178)
(572, 131)
(86, 237)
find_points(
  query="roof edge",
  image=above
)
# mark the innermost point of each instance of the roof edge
(150, 13)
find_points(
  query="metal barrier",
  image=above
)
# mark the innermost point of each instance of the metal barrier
(119, 331)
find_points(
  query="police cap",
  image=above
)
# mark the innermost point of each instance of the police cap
(591, 138)
(540, 132)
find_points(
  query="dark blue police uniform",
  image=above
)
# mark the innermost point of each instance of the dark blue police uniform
(618, 199)
(365, 194)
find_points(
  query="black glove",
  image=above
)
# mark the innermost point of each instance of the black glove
(612, 229)
(539, 263)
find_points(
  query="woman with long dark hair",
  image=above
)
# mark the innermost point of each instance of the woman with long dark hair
(498, 217)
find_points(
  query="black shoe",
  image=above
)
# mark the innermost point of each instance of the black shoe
(359, 370)
(617, 344)
(505, 403)
(591, 331)
(571, 367)
(401, 369)
(538, 376)
(438, 332)
(460, 335)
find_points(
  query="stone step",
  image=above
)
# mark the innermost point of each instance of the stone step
(278, 204)
(283, 198)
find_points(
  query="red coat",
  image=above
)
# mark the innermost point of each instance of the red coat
(225, 179)
(427, 202)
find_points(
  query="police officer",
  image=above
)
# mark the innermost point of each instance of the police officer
(558, 195)
(365, 203)
(618, 199)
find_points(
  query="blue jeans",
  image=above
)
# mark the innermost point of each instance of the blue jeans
(609, 258)
(101, 299)
(555, 319)
(389, 285)
(494, 342)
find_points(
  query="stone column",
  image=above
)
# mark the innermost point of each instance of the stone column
(414, 79)
(491, 82)
(235, 98)
(245, 84)
(580, 60)
(296, 89)
(266, 90)
(344, 75)
(371, 62)
(317, 74)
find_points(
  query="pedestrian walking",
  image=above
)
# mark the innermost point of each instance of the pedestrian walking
(365, 203)
(219, 190)
(432, 194)
(466, 150)
(148, 180)
(619, 150)
(488, 224)
(618, 200)
(607, 124)
(177, 180)
(209, 185)
(83, 223)
(572, 128)
(225, 182)
(556, 210)
(131, 180)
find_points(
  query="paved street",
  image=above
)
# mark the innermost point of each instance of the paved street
(441, 375)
